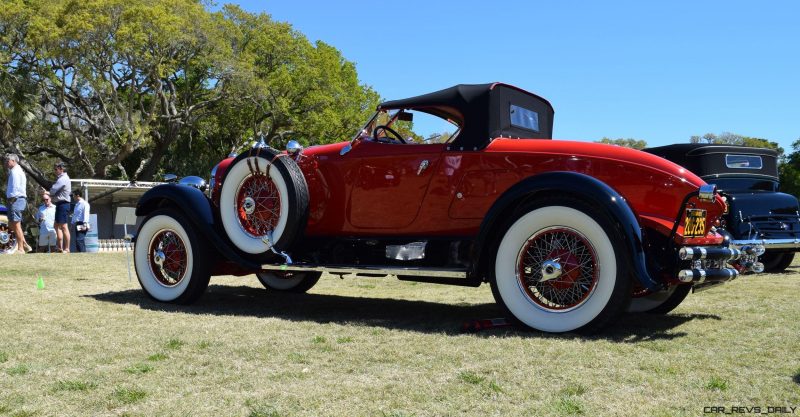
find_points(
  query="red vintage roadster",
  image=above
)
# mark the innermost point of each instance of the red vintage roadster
(462, 186)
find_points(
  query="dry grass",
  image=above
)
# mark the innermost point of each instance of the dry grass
(91, 343)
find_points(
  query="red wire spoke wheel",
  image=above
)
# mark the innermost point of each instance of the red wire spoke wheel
(557, 268)
(258, 205)
(168, 258)
(171, 258)
(263, 192)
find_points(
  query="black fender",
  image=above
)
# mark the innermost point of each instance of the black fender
(196, 206)
(564, 183)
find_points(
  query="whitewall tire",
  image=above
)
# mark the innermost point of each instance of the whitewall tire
(260, 194)
(285, 282)
(559, 269)
(172, 263)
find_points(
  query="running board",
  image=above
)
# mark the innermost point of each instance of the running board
(432, 275)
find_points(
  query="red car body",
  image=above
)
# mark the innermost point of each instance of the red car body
(454, 212)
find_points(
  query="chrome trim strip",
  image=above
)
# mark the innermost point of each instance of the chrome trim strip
(369, 269)
(770, 243)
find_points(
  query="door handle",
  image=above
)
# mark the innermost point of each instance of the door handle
(422, 167)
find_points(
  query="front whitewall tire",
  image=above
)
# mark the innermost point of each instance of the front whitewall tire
(195, 277)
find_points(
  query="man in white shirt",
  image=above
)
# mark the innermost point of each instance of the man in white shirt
(46, 217)
(17, 200)
(80, 218)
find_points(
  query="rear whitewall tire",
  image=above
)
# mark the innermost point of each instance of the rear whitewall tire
(193, 281)
(603, 300)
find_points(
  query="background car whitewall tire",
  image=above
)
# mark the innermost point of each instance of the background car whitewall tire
(661, 302)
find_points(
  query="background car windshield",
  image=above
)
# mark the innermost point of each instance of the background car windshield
(424, 128)
(744, 184)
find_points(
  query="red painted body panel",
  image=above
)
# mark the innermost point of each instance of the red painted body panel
(221, 168)
(377, 189)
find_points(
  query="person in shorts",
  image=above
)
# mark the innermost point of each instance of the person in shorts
(17, 197)
(60, 194)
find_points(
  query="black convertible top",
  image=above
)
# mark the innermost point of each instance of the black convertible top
(483, 111)
(719, 160)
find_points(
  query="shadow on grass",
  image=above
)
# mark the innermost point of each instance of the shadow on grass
(796, 378)
(413, 315)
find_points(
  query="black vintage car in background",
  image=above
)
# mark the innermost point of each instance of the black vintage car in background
(748, 178)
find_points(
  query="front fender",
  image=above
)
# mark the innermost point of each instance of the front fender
(194, 204)
(573, 184)
(191, 201)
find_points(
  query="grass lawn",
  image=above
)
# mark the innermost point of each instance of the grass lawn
(91, 343)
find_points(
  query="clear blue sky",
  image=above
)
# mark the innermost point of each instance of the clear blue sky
(658, 71)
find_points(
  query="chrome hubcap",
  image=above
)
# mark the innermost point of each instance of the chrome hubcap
(249, 205)
(551, 269)
(159, 258)
(557, 268)
(4, 238)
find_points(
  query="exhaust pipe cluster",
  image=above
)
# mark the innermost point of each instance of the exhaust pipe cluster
(744, 259)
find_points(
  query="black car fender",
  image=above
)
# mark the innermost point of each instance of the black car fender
(194, 204)
(563, 183)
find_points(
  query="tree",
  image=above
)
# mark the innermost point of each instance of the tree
(288, 87)
(129, 88)
(728, 138)
(627, 143)
(789, 171)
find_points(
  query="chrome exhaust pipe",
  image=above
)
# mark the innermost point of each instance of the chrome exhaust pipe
(698, 276)
(715, 254)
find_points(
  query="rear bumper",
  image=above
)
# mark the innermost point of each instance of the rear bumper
(770, 243)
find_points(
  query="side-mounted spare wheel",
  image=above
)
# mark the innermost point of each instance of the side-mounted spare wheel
(263, 192)
(295, 282)
(560, 266)
(172, 261)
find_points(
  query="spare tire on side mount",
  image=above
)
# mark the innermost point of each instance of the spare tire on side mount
(263, 191)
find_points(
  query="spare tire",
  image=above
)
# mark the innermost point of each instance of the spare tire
(263, 191)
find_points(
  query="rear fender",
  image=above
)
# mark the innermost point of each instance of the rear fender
(571, 184)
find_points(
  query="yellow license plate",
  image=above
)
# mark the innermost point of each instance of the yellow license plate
(695, 223)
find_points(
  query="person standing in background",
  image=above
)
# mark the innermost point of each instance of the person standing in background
(46, 217)
(17, 197)
(60, 192)
(80, 218)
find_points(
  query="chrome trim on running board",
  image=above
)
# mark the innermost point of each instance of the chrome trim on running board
(369, 269)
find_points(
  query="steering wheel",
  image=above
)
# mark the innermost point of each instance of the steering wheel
(389, 130)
